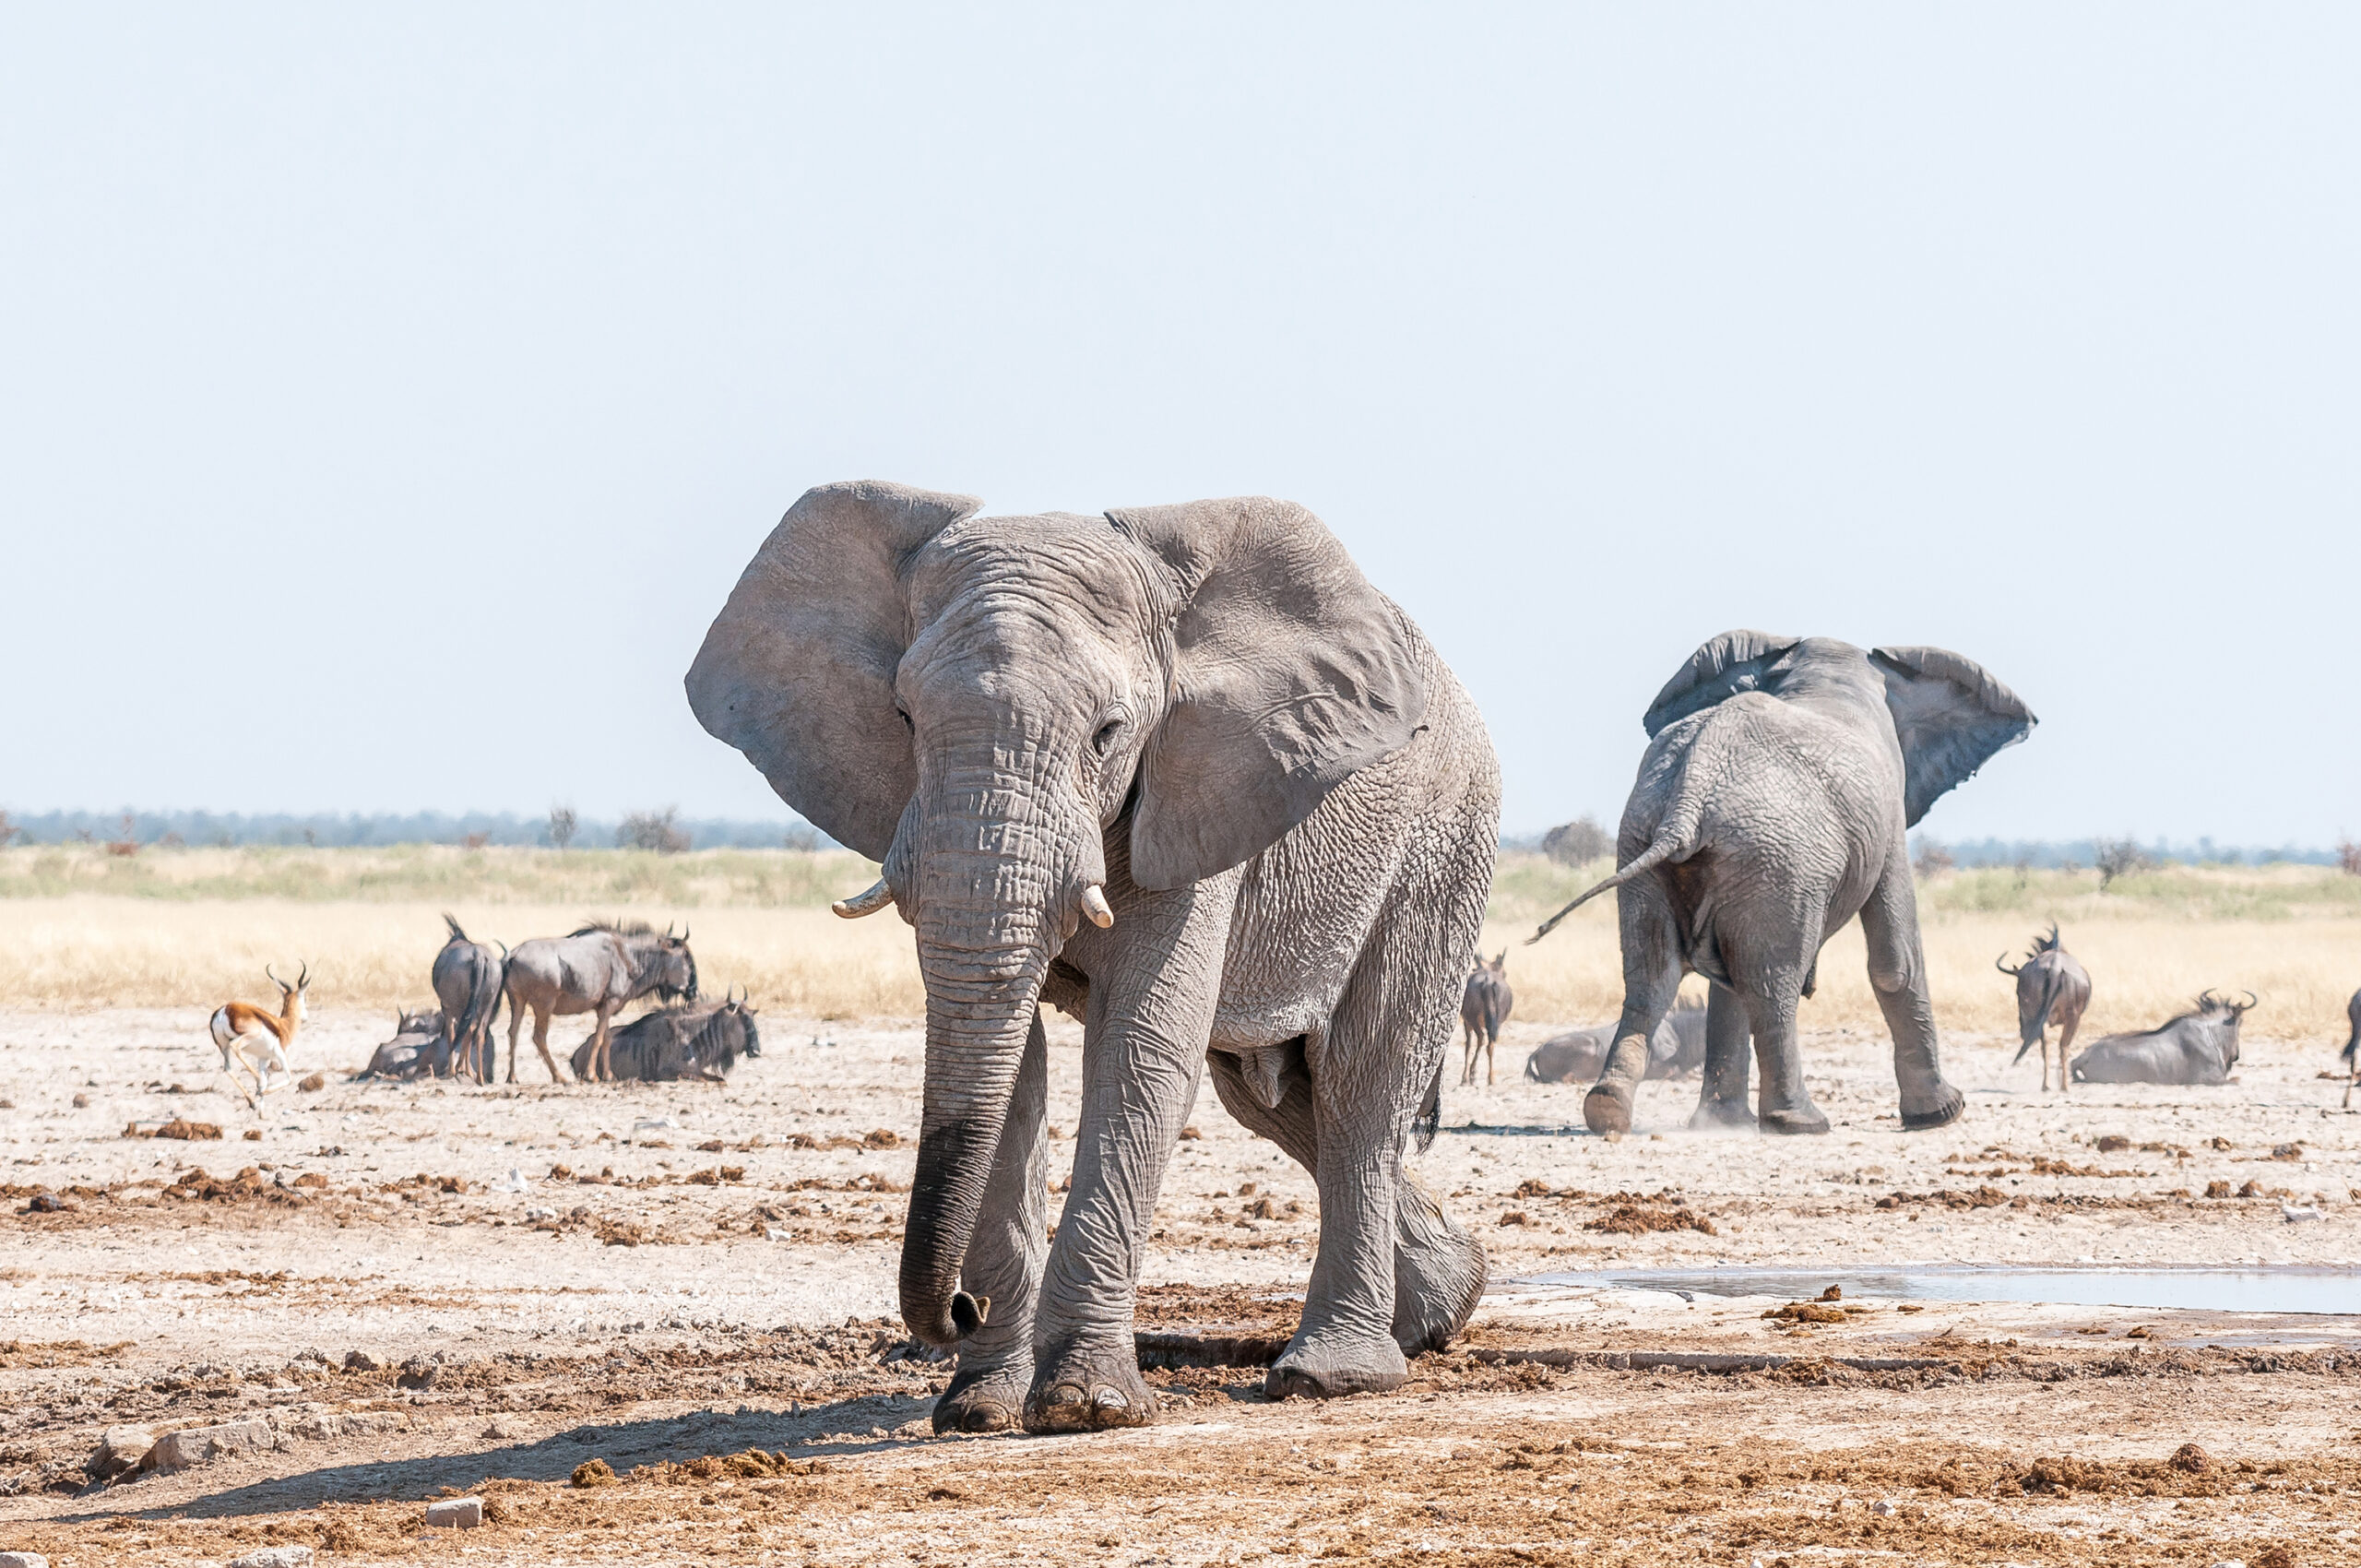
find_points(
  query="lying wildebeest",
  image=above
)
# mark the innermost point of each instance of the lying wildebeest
(2052, 988)
(418, 1046)
(1483, 1008)
(596, 970)
(468, 978)
(2198, 1047)
(2352, 1057)
(1676, 1047)
(673, 1044)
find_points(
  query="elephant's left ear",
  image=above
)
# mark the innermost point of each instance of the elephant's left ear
(1951, 715)
(1291, 672)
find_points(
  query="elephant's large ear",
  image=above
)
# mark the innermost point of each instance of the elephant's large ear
(1289, 672)
(1731, 663)
(798, 668)
(1950, 717)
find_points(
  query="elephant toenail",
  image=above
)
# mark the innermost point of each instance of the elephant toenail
(1110, 1399)
(1063, 1394)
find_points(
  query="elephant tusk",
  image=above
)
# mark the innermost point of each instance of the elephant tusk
(867, 902)
(1094, 904)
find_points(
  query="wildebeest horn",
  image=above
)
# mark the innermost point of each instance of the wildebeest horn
(2004, 968)
(875, 896)
(2253, 1002)
(684, 936)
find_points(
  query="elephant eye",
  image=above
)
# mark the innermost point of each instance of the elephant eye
(904, 715)
(1106, 736)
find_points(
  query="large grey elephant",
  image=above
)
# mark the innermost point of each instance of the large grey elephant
(1781, 776)
(1180, 771)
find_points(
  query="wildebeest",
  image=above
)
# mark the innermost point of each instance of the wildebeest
(1678, 1047)
(2052, 988)
(418, 1046)
(1483, 1008)
(699, 1044)
(596, 970)
(468, 978)
(2352, 1057)
(2198, 1047)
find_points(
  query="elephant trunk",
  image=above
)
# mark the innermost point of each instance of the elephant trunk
(983, 920)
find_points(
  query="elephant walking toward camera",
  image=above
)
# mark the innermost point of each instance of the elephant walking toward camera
(1781, 777)
(1180, 771)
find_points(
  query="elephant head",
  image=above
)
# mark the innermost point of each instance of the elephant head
(1949, 716)
(975, 701)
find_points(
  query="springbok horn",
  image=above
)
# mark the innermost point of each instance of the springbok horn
(866, 902)
(303, 977)
(1094, 904)
(276, 980)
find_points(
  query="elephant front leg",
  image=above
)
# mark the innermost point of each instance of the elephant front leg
(1898, 974)
(1145, 1034)
(1722, 1099)
(1003, 1263)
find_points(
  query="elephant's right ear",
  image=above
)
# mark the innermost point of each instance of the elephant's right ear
(798, 668)
(1950, 715)
(1731, 663)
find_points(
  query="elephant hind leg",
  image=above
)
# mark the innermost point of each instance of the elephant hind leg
(1439, 1268)
(1898, 975)
(1722, 1097)
(1651, 984)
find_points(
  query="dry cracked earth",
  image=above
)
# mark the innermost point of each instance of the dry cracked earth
(652, 1325)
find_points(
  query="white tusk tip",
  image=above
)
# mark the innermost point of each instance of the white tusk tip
(1094, 904)
(866, 902)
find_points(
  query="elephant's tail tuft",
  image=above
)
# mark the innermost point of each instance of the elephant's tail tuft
(1674, 841)
(1430, 1118)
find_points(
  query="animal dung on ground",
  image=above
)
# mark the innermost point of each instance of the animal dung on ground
(314, 1083)
(454, 1514)
(178, 1128)
(1639, 1219)
(593, 1472)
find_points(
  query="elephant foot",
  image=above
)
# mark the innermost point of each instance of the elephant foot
(1088, 1389)
(1800, 1120)
(1942, 1113)
(1608, 1109)
(1439, 1273)
(1712, 1113)
(984, 1399)
(1316, 1369)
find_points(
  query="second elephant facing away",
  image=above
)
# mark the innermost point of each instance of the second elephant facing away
(1180, 771)
(1781, 779)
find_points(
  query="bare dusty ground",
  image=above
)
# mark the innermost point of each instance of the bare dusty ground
(393, 1291)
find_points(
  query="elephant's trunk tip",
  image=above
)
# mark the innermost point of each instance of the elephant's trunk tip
(866, 902)
(969, 1313)
(1094, 904)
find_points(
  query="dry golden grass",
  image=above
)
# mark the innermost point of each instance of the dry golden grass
(88, 951)
(198, 926)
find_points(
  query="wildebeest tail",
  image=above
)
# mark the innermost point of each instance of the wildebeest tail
(457, 934)
(1676, 839)
(2052, 978)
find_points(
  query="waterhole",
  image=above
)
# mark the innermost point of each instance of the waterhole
(2294, 1288)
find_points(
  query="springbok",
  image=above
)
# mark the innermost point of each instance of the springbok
(256, 1040)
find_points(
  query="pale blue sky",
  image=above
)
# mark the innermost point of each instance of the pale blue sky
(407, 390)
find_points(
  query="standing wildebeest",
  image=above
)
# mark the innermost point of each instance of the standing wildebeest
(1483, 1007)
(468, 978)
(1676, 1047)
(2052, 988)
(596, 970)
(2198, 1047)
(2352, 1056)
(697, 1043)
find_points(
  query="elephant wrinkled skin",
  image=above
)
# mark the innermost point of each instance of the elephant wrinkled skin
(1781, 778)
(1184, 772)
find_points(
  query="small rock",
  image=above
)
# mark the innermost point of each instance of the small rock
(502, 1428)
(47, 1202)
(1880, 1507)
(201, 1445)
(119, 1451)
(274, 1557)
(2190, 1459)
(81, 1102)
(454, 1514)
(513, 1182)
(2293, 1214)
(313, 1084)
(2231, 1562)
(23, 1559)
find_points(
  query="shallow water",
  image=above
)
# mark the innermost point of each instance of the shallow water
(2277, 1289)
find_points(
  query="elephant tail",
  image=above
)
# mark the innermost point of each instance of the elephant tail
(1674, 841)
